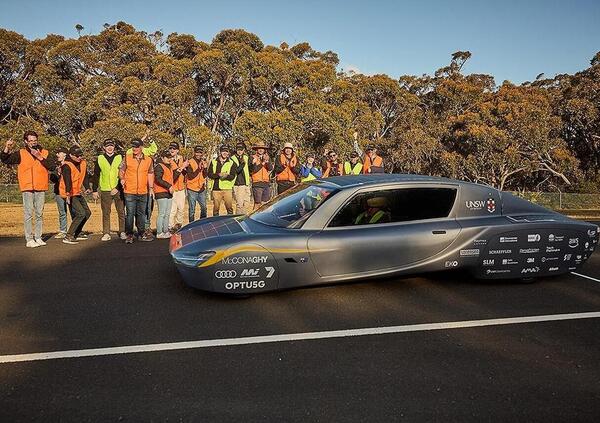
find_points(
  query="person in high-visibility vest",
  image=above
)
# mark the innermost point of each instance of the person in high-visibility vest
(61, 204)
(164, 176)
(260, 169)
(222, 172)
(241, 185)
(372, 162)
(74, 183)
(333, 167)
(196, 183)
(107, 187)
(179, 163)
(137, 179)
(33, 167)
(376, 212)
(353, 166)
(310, 171)
(287, 168)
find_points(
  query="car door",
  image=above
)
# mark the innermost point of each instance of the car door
(421, 225)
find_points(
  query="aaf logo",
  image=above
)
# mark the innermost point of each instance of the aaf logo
(249, 272)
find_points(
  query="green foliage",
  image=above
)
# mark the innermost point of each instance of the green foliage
(123, 83)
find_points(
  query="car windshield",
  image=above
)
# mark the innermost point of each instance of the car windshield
(293, 207)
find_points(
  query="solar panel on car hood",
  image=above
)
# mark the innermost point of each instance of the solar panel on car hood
(209, 230)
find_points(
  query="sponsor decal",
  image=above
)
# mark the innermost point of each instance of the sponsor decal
(270, 270)
(249, 273)
(567, 257)
(497, 252)
(552, 250)
(480, 242)
(530, 270)
(574, 243)
(530, 259)
(474, 252)
(245, 260)
(572, 268)
(491, 205)
(556, 238)
(587, 244)
(533, 238)
(303, 259)
(509, 261)
(545, 259)
(225, 274)
(488, 262)
(529, 250)
(578, 257)
(591, 232)
(245, 285)
(494, 271)
(475, 204)
(451, 263)
(506, 239)
(553, 269)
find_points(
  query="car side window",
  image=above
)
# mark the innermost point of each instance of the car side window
(395, 205)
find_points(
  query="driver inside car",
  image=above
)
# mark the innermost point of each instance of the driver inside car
(376, 212)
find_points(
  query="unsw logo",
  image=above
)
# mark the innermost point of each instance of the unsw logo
(489, 204)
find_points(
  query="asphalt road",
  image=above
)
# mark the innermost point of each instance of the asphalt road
(95, 295)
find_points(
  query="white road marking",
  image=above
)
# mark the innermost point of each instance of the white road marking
(585, 276)
(292, 337)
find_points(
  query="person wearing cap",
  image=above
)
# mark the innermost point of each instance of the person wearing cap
(372, 162)
(353, 166)
(196, 183)
(222, 172)
(137, 179)
(33, 166)
(310, 171)
(333, 167)
(164, 176)
(107, 187)
(61, 205)
(73, 184)
(376, 212)
(287, 168)
(260, 168)
(178, 164)
(241, 185)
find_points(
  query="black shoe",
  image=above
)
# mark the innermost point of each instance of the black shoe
(69, 239)
(129, 239)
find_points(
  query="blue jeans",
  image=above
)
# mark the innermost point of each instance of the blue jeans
(135, 204)
(149, 210)
(33, 205)
(61, 205)
(164, 210)
(193, 198)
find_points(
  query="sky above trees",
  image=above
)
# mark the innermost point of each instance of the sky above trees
(511, 40)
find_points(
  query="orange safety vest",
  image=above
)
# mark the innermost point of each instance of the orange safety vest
(377, 162)
(167, 177)
(32, 174)
(262, 175)
(198, 182)
(340, 167)
(77, 177)
(136, 174)
(180, 183)
(286, 174)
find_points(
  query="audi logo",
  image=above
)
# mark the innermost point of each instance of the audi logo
(225, 274)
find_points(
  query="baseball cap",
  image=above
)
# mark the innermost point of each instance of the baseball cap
(371, 147)
(62, 150)
(108, 142)
(136, 142)
(174, 144)
(224, 148)
(76, 151)
(198, 149)
(165, 153)
(353, 154)
(240, 146)
(288, 145)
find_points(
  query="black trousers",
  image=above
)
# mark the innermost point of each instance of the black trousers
(283, 186)
(80, 213)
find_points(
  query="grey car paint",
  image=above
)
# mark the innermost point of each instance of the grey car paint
(492, 234)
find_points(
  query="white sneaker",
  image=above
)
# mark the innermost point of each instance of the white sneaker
(60, 235)
(159, 235)
(40, 242)
(31, 244)
(166, 235)
(123, 236)
(106, 237)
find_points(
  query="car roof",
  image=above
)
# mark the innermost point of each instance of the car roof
(383, 178)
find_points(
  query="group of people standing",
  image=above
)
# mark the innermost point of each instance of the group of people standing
(143, 176)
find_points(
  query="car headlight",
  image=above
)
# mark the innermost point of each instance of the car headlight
(192, 260)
